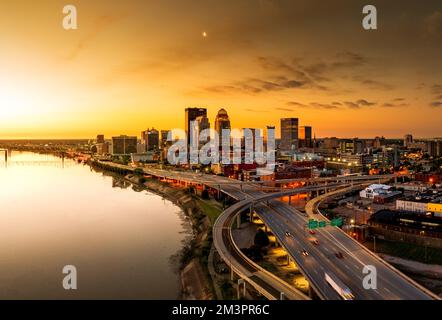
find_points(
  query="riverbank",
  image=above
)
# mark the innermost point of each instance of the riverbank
(193, 259)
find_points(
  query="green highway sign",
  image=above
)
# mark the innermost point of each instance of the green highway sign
(315, 224)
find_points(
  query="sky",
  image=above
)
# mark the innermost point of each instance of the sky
(136, 64)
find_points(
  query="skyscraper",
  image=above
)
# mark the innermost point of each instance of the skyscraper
(124, 145)
(151, 139)
(203, 123)
(191, 115)
(408, 140)
(100, 138)
(289, 134)
(222, 121)
(305, 137)
(164, 136)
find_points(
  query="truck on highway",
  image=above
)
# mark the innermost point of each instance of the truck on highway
(343, 291)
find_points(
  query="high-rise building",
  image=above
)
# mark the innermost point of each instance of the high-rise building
(191, 115)
(351, 146)
(222, 121)
(124, 145)
(305, 137)
(378, 142)
(289, 134)
(408, 140)
(151, 139)
(100, 138)
(164, 136)
(434, 148)
(202, 123)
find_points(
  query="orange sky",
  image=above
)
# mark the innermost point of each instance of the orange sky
(137, 64)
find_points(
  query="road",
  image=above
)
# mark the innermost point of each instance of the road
(281, 218)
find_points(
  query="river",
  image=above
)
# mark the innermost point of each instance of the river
(54, 214)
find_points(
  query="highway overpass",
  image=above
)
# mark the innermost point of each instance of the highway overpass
(281, 218)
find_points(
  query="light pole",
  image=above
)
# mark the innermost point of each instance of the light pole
(374, 243)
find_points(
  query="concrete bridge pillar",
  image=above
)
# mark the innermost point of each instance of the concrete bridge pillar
(310, 292)
(290, 200)
(238, 221)
(251, 212)
(238, 288)
(282, 296)
(288, 260)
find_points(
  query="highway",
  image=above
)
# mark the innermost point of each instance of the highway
(322, 258)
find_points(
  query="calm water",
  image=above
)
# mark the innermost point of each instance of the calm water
(121, 241)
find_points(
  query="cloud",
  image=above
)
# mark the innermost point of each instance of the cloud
(436, 91)
(312, 105)
(433, 24)
(352, 105)
(254, 110)
(323, 106)
(284, 109)
(436, 104)
(99, 25)
(436, 88)
(287, 74)
(374, 84)
(365, 103)
(296, 104)
(394, 105)
(360, 103)
(348, 59)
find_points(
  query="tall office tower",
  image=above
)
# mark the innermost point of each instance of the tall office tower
(100, 138)
(408, 140)
(439, 148)
(289, 134)
(191, 115)
(378, 142)
(432, 148)
(124, 145)
(222, 121)
(151, 139)
(305, 137)
(164, 136)
(353, 146)
(203, 123)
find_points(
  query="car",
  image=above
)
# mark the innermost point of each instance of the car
(315, 242)
(287, 234)
(311, 232)
(304, 253)
(339, 255)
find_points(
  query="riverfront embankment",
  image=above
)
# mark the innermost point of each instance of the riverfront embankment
(199, 215)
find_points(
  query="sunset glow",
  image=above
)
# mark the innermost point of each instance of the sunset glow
(139, 64)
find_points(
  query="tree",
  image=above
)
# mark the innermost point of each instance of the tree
(205, 194)
(261, 239)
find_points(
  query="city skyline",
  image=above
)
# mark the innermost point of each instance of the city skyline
(124, 69)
